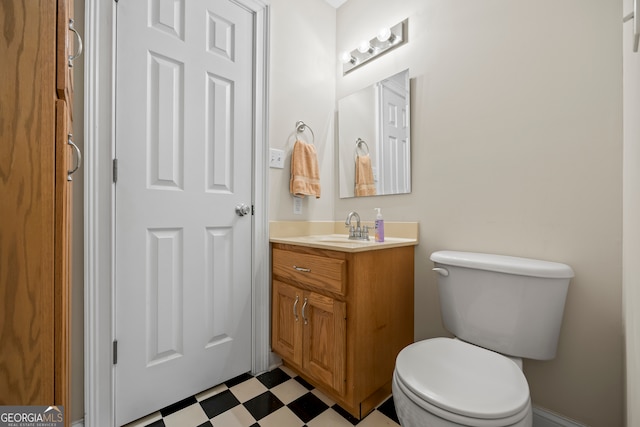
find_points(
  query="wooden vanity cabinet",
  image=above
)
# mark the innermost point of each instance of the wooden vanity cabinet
(339, 319)
(35, 211)
(310, 333)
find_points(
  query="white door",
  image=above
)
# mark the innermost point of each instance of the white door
(394, 158)
(184, 134)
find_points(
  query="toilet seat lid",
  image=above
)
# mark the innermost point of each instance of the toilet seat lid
(463, 378)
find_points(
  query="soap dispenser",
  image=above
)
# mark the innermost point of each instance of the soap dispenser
(379, 226)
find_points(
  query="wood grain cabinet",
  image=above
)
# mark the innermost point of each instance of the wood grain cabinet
(339, 319)
(36, 96)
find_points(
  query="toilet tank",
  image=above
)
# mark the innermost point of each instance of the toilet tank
(507, 304)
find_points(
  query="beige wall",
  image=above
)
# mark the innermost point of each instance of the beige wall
(517, 149)
(516, 145)
(302, 87)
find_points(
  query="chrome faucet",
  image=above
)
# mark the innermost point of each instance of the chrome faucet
(356, 233)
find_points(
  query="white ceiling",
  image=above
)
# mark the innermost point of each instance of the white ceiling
(336, 3)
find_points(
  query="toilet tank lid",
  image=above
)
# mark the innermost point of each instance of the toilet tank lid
(504, 264)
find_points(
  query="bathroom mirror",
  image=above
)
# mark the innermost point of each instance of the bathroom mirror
(374, 152)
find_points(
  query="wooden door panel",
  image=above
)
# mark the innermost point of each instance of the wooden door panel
(66, 45)
(27, 207)
(62, 259)
(325, 340)
(287, 323)
(62, 46)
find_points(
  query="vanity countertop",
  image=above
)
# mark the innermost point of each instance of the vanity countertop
(323, 236)
(340, 242)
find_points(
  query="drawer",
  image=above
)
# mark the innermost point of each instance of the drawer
(318, 272)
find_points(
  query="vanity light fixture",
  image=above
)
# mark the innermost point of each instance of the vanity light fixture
(387, 39)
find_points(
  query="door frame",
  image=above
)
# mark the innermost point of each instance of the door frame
(99, 206)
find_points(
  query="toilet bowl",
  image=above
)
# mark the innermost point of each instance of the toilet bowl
(443, 382)
(501, 309)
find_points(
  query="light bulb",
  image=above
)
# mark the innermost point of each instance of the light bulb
(364, 47)
(384, 34)
(346, 58)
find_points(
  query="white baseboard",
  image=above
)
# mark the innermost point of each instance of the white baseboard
(79, 423)
(544, 418)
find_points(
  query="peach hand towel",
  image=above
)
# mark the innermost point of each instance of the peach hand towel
(364, 177)
(305, 176)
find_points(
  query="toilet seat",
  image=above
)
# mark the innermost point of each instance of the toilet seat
(414, 412)
(456, 380)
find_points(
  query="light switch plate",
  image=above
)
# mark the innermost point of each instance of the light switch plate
(276, 159)
(297, 205)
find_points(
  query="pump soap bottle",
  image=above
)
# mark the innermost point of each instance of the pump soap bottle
(379, 226)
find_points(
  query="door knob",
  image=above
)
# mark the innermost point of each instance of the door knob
(243, 209)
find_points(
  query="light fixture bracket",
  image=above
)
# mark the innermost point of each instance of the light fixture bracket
(398, 37)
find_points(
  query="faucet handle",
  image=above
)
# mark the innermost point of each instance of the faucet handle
(365, 232)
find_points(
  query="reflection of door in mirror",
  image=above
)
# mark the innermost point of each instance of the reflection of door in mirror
(393, 161)
(379, 115)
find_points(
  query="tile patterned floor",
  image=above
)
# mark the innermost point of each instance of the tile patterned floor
(278, 398)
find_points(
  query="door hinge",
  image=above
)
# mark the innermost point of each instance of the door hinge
(115, 352)
(115, 170)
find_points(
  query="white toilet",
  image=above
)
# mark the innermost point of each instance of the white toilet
(500, 309)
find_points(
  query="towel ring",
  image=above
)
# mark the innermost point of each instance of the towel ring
(359, 144)
(301, 127)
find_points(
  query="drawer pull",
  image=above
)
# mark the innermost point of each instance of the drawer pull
(78, 157)
(304, 316)
(79, 47)
(302, 269)
(295, 307)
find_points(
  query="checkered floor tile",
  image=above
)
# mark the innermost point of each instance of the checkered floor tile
(278, 398)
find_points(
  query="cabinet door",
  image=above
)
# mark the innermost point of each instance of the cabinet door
(325, 332)
(286, 338)
(27, 159)
(62, 260)
(65, 44)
